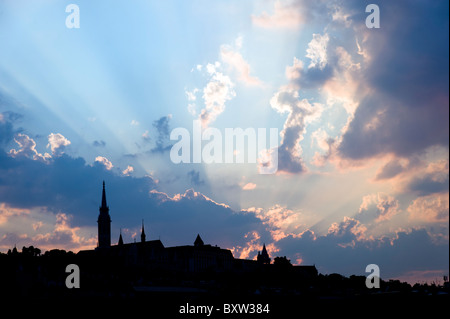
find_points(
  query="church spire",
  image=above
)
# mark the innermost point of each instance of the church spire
(104, 223)
(142, 233)
(264, 256)
(104, 197)
(120, 238)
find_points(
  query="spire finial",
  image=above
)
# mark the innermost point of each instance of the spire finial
(104, 196)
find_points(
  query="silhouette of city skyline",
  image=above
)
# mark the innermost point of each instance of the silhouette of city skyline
(153, 254)
(170, 277)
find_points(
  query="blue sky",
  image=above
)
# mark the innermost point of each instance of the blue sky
(362, 116)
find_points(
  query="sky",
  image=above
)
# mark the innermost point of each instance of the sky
(362, 116)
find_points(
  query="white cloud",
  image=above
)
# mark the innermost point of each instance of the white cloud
(27, 148)
(317, 51)
(104, 161)
(57, 143)
(339, 15)
(134, 123)
(128, 170)
(215, 94)
(294, 72)
(191, 95)
(235, 60)
(249, 186)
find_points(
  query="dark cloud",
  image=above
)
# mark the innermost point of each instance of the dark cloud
(178, 220)
(289, 151)
(408, 75)
(428, 184)
(390, 170)
(163, 135)
(7, 130)
(100, 143)
(330, 255)
(194, 177)
(314, 77)
(377, 207)
(71, 186)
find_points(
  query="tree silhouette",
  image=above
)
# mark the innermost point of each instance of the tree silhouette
(282, 261)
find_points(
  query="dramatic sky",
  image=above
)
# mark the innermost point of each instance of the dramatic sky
(362, 117)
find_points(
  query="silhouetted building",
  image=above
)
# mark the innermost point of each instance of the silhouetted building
(199, 257)
(198, 241)
(196, 258)
(263, 257)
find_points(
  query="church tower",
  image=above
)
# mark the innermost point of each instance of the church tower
(104, 223)
(263, 257)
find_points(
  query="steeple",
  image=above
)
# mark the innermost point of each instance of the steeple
(264, 256)
(104, 223)
(142, 233)
(104, 206)
(198, 241)
(120, 238)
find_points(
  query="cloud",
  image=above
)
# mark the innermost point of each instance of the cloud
(378, 207)
(317, 51)
(100, 143)
(63, 236)
(104, 161)
(146, 136)
(286, 14)
(432, 208)
(216, 93)
(194, 178)
(344, 250)
(7, 130)
(128, 170)
(236, 61)
(280, 220)
(347, 232)
(300, 113)
(406, 109)
(163, 138)
(134, 123)
(249, 186)
(27, 148)
(7, 212)
(57, 143)
(178, 218)
(192, 97)
(252, 246)
(70, 186)
(433, 179)
(391, 169)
